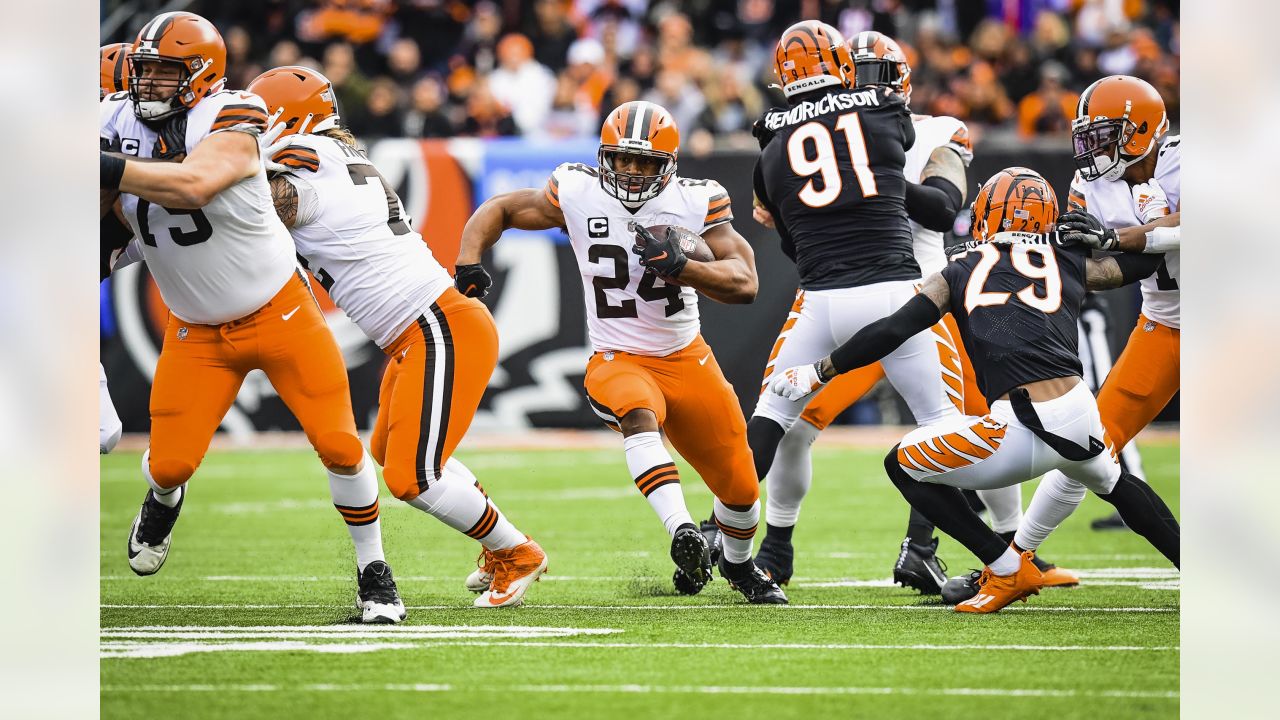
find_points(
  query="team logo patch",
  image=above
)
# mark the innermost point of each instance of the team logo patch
(182, 333)
(1151, 325)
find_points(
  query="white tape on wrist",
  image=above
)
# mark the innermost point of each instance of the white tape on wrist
(1163, 239)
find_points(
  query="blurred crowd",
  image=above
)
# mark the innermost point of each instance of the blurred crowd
(554, 68)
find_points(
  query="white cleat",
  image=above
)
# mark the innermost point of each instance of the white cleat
(514, 571)
(152, 533)
(481, 578)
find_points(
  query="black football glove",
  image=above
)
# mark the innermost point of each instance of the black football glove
(662, 256)
(1079, 227)
(171, 140)
(762, 134)
(472, 280)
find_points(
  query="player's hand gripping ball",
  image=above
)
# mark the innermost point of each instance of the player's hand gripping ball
(665, 249)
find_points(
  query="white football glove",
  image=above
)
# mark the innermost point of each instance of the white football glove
(796, 382)
(1149, 201)
(271, 143)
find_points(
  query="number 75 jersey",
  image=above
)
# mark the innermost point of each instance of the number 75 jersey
(628, 308)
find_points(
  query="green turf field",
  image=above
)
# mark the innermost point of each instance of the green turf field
(248, 617)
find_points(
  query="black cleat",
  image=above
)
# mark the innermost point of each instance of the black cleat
(920, 567)
(692, 555)
(377, 596)
(751, 581)
(711, 532)
(1110, 522)
(151, 534)
(960, 588)
(775, 559)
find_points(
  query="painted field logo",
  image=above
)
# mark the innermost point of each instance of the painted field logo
(153, 641)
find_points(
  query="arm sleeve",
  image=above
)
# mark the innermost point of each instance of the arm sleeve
(308, 200)
(934, 203)
(883, 336)
(1136, 266)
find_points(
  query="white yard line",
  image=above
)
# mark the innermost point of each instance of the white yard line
(653, 689)
(741, 606)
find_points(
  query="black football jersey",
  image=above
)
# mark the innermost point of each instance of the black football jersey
(831, 175)
(1017, 305)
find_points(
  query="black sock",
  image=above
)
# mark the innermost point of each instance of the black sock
(763, 435)
(975, 502)
(1007, 537)
(777, 533)
(919, 528)
(1146, 514)
(946, 507)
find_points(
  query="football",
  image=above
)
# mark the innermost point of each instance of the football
(691, 243)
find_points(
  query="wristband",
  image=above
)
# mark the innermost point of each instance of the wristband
(110, 170)
(1163, 239)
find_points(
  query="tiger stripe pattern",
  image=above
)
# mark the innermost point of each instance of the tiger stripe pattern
(954, 450)
(792, 316)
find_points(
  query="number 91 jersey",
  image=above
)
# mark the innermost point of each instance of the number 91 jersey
(225, 260)
(628, 308)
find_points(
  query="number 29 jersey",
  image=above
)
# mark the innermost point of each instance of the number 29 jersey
(628, 308)
(353, 233)
(1016, 300)
(225, 260)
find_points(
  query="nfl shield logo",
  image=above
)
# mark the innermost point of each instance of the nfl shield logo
(182, 333)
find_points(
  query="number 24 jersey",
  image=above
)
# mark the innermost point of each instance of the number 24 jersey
(628, 308)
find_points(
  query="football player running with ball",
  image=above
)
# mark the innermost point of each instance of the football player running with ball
(1016, 295)
(651, 369)
(350, 227)
(225, 268)
(935, 173)
(1126, 195)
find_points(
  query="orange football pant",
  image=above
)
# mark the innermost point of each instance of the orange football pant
(694, 404)
(438, 371)
(847, 389)
(1141, 382)
(201, 368)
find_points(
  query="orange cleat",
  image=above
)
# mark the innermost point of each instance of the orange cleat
(996, 591)
(514, 570)
(1055, 576)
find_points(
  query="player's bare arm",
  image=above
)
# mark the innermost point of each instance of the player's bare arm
(1145, 238)
(218, 162)
(285, 197)
(731, 277)
(526, 209)
(871, 343)
(935, 201)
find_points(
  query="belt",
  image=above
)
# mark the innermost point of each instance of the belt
(1026, 414)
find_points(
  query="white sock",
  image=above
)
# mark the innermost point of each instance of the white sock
(109, 427)
(1007, 564)
(738, 529)
(356, 498)
(1056, 498)
(1004, 507)
(655, 475)
(457, 501)
(169, 497)
(790, 476)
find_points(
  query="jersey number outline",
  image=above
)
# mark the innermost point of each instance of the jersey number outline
(1165, 281)
(825, 163)
(360, 174)
(1020, 256)
(648, 289)
(183, 238)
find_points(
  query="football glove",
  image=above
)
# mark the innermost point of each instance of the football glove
(472, 280)
(1149, 201)
(662, 256)
(1079, 227)
(171, 140)
(797, 382)
(271, 143)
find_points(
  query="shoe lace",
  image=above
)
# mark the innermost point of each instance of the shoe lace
(378, 586)
(502, 566)
(157, 521)
(984, 577)
(486, 562)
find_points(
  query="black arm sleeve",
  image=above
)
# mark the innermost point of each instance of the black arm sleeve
(934, 203)
(1136, 266)
(883, 336)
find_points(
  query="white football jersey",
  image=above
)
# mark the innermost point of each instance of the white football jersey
(356, 239)
(1111, 201)
(629, 308)
(933, 132)
(227, 259)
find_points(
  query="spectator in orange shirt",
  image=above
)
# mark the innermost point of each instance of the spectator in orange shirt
(1048, 110)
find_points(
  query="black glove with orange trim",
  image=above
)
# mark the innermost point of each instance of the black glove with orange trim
(472, 280)
(1079, 227)
(662, 256)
